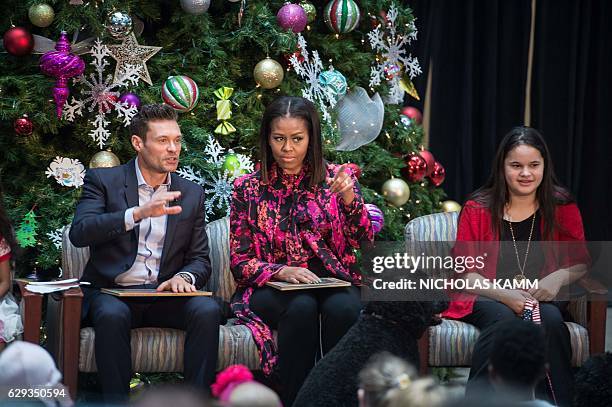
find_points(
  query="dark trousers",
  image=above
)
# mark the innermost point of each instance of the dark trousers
(295, 315)
(112, 319)
(486, 313)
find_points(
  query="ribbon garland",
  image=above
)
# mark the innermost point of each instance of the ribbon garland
(224, 110)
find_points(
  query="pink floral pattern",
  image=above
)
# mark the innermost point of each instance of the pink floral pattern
(286, 223)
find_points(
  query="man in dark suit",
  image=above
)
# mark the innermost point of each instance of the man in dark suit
(145, 229)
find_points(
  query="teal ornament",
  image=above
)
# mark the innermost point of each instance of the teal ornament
(335, 81)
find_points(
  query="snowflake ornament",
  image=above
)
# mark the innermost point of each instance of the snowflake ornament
(101, 95)
(214, 150)
(190, 174)
(245, 165)
(56, 237)
(394, 58)
(310, 69)
(68, 172)
(220, 192)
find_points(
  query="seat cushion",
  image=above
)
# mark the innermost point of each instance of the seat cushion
(161, 349)
(452, 342)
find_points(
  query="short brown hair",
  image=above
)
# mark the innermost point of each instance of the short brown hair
(140, 122)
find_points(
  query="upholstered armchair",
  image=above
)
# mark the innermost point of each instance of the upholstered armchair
(450, 344)
(153, 349)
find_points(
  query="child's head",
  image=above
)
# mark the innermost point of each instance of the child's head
(26, 365)
(235, 386)
(383, 376)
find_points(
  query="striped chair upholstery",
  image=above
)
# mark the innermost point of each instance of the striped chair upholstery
(451, 343)
(161, 349)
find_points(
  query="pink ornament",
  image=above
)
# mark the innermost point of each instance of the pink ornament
(438, 174)
(62, 65)
(292, 16)
(413, 113)
(376, 217)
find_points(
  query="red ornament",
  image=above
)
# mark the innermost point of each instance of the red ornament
(429, 159)
(438, 174)
(415, 168)
(18, 41)
(23, 126)
(106, 105)
(355, 169)
(413, 113)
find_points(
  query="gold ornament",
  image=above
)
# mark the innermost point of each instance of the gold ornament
(41, 15)
(450, 206)
(132, 53)
(268, 73)
(104, 159)
(396, 191)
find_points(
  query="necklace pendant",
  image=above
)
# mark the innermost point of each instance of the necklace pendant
(519, 278)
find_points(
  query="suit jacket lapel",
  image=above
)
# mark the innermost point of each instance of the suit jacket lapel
(131, 184)
(171, 222)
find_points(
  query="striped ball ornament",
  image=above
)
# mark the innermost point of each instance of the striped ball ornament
(342, 16)
(180, 92)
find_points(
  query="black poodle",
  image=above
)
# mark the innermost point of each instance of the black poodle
(383, 326)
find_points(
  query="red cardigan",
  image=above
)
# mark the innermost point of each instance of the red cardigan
(475, 226)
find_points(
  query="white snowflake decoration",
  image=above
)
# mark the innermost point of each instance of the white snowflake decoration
(392, 47)
(68, 172)
(214, 150)
(310, 70)
(221, 186)
(101, 95)
(245, 164)
(190, 174)
(56, 237)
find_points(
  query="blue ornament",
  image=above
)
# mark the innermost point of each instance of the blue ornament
(335, 81)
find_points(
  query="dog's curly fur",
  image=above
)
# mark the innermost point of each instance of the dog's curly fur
(383, 326)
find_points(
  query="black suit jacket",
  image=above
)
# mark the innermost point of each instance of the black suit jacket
(99, 224)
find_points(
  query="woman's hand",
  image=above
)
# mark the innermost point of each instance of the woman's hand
(515, 300)
(548, 288)
(343, 184)
(297, 275)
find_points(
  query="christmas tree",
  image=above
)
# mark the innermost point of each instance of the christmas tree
(219, 64)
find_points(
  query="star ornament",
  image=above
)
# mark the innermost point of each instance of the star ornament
(129, 52)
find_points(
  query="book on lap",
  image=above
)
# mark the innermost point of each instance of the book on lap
(326, 282)
(151, 292)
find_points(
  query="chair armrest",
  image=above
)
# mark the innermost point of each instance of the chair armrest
(32, 313)
(592, 286)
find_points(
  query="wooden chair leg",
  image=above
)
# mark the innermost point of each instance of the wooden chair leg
(596, 323)
(32, 310)
(424, 353)
(71, 322)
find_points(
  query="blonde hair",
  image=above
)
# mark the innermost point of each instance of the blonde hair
(253, 394)
(383, 376)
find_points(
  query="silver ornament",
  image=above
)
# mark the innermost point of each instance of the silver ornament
(396, 191)
(195, 6)
(119, 24)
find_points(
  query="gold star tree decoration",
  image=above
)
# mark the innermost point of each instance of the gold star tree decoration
(129, 52)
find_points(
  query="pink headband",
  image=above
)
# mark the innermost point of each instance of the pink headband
(229, 379)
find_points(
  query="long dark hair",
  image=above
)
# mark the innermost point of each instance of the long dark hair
(494, 193)
(6, 230)
(290, 106)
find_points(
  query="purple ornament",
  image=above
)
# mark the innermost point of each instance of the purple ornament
(62, 65)
(292, 16)
(131, 99)
(376, 217)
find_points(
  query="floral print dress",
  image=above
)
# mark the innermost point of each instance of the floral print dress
(288, 223)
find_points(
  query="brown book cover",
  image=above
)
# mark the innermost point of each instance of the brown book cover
(326, 282)
(150, 292)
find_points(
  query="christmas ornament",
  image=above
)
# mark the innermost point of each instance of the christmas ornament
(309, 69)
(342, 16)
(376, 217)
(408, 87)
(101, 95)
(119, 24)
(396, 191)
(26, 232)
(392, 47)
(268, 73)
(23, 125)
(415, 168)
(287, 58)
(429, 159)
(391, 70)
(195, 6)
(55, 236)
(180, 92)
(62, 65)
(355, 169)
(437, 175)
(413, 113)
(224, 111)
(406, 121)
(132, 53)
(292, 17)
(311, 11)
(104, 159)
(450, 206)
(41, 15)
(18, 41)
(334, 81)
(360, 119)
(232, 165)
(68, 172)
(131, 99)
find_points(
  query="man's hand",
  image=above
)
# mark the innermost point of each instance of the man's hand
(297, 275)
(177, 285)
(342, 184)
(158, 206)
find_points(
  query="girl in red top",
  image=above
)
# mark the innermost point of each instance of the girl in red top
(521, 204)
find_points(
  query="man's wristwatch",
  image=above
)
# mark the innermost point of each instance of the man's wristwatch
(185, 277)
